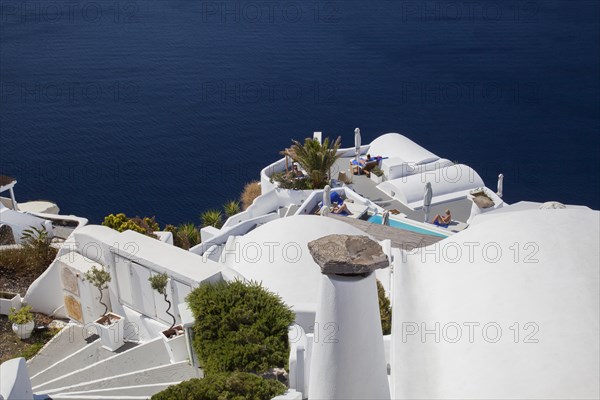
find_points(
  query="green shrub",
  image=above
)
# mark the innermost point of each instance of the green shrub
(37, 248)
(239, 327)
(231, 208)
(287, 181)
(22, 316)
(224, 386)
(212, 218)
(385, 310)
(178, 239)
(251, 191)
(189, 233)
(121, 223)
(377, 171)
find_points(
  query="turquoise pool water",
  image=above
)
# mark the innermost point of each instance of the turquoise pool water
(376, 219)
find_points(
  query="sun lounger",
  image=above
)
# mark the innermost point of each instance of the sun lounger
(357, 210)
(358, 169)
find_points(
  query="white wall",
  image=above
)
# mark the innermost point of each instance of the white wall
(534, 274)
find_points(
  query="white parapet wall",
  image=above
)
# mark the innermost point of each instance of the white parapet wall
(14, 380)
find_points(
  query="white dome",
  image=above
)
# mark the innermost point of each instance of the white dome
(399, 146)
(277, 255)
(532, 275)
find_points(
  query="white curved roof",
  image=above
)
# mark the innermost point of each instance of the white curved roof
(288, 270)
(448, 183)
(399, 146)
(550, 288)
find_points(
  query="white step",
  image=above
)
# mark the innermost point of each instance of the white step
(69, 340)
(139, 390)
(147, 355)
(163, 374)
(94, 397)
(82, 358)
(292, 210)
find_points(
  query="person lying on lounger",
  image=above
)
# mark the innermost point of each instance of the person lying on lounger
(341, 209)
(443, 220)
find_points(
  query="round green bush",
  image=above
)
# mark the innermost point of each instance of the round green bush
(224, 386)
(240, 327)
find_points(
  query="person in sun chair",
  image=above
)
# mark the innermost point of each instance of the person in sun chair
(443, 220)
(295, 172)
(364, 161)
(341, 210)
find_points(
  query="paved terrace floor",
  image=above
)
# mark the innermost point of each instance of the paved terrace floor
(361, 184)
(402, 239)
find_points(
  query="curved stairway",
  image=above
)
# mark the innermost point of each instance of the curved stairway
(76, 366)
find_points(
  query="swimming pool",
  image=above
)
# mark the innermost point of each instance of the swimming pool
(376, 219)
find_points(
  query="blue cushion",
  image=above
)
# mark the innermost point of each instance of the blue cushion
(335, 198)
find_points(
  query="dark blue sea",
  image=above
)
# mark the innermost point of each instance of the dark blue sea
(167, 107)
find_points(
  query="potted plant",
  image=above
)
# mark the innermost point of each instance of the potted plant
(173, 337)
(377, 175)
(8, 301)
(110, 325)
(22, 322)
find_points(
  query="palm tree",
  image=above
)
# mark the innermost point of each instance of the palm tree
(315, 158)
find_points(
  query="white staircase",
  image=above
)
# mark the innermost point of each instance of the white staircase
(75, 366)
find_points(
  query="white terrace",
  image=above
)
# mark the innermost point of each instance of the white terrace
(16, 217)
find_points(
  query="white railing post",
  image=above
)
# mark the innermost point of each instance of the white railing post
(300, 368)
(500, 185)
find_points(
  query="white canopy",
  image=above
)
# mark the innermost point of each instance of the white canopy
(448, 183)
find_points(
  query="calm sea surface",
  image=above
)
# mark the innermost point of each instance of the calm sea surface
(167, 107)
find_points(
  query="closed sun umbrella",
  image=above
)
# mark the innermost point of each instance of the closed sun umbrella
(326, 200)
(385, 219)
(357, 143)
(427, 196)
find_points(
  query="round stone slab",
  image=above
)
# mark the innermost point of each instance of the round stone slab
(347, 255)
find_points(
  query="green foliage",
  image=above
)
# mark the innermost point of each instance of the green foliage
(377, 171)
(315, 158)
(189, 233)
(152, 224)
(231, 208)
(178, 239)
(287, 181)
(37, 250)
(251, 191)
(212, 218)
(224, 386)
(159, 282)
(385, 310)
(21, 317)
(100, 279)
(121, 223)
(239, 327)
